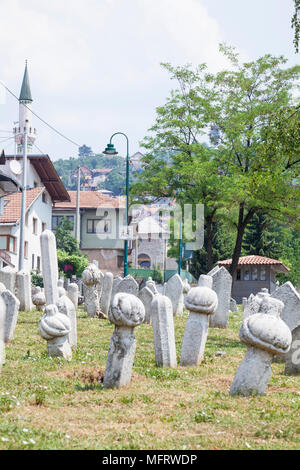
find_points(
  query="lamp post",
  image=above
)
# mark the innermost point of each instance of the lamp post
(110, 150)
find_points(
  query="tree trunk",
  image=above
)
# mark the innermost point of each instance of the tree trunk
(209, 244)
(242, 224)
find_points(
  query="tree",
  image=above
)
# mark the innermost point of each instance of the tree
(251, 164)
(296, 24)
(64, 239)
(85, 151)
(261, 237)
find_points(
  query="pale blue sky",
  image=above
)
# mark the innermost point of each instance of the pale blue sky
(94, 64)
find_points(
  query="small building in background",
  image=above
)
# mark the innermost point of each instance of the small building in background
(254, 273)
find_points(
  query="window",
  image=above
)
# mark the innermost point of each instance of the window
(98, 226)
(262, 274)
(34, 225)
(25, 249)
(8, 243)
(38, 263)
(56, 220)
(3, 242)
(32, 261)
(254, 274)
(238, 275)
(246, 275)
(44, 198)
(44, 226)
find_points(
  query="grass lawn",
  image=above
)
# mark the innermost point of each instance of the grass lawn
(52, 404)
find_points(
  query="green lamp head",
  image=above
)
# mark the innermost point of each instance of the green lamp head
(110, 150)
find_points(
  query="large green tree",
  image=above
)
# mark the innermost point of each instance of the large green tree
(251, 165)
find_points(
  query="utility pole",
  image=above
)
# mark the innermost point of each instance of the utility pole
(77, 223)
(23, 203)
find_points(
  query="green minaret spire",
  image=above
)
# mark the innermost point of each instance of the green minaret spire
(25, 94)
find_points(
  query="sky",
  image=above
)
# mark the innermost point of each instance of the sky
(94, 65)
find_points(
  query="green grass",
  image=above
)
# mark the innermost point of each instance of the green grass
(48, 403)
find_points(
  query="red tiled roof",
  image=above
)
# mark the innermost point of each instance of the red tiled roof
(91, 200)
(254, 259)
(12, 209)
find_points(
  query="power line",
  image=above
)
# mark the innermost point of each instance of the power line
(41, 119)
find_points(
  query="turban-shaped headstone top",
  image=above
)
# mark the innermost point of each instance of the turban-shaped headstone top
(91, 275)
(126, 310)
(53, 324)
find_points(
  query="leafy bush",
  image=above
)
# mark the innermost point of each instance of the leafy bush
(71, 264)
(157, 275)
(37, 278)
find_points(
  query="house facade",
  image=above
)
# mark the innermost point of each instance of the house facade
(43, 188)
(101, 217)
(254, 273)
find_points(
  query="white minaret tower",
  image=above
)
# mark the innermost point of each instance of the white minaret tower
(25, 117)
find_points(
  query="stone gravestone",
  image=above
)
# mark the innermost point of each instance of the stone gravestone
(151, 285)
(8, 278)
(174, 290)
(100, 285)
(55, 327)
(292, 364)
(265, 335)
(291, 316)
(73, 293)
(2, 331)
(49, 266)
(116, 283)
(253, 303)
(90, 279)
(201, 302)
(12, 308)
(127, 312)
(146, 296)
(23, 290)
(128, 285)
(105, 300)
(222, 283)
(66, 306)
(163, 331)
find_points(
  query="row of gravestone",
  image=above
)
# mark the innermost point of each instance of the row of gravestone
(263, 330)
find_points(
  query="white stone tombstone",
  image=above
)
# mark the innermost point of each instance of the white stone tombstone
(253, 303)
(39, 300)
(105, 300)
(222, 284)
(116, 283)
(73, 293)
(127, 312)
(174, 290)
(151, 285)
(292, 358)
(90, 279)
(66, 306)
(8, 278)
(55, 327)
(11, 318)
(23, 290)
(163, 331)
(201, 302)
(146, 296)
(291, 299)
(291, 316)
(2, 331)
(49, 266)
(128, 285)
(100, 285)
(265, 335)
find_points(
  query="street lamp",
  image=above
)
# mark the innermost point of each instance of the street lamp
(110, 150)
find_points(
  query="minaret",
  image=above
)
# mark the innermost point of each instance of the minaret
(25, 117)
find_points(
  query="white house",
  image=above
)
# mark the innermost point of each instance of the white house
(43, 188)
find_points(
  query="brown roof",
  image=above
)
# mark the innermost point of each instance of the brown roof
(12, 205)
(254, 259)
(48, 174)
(91, 200)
